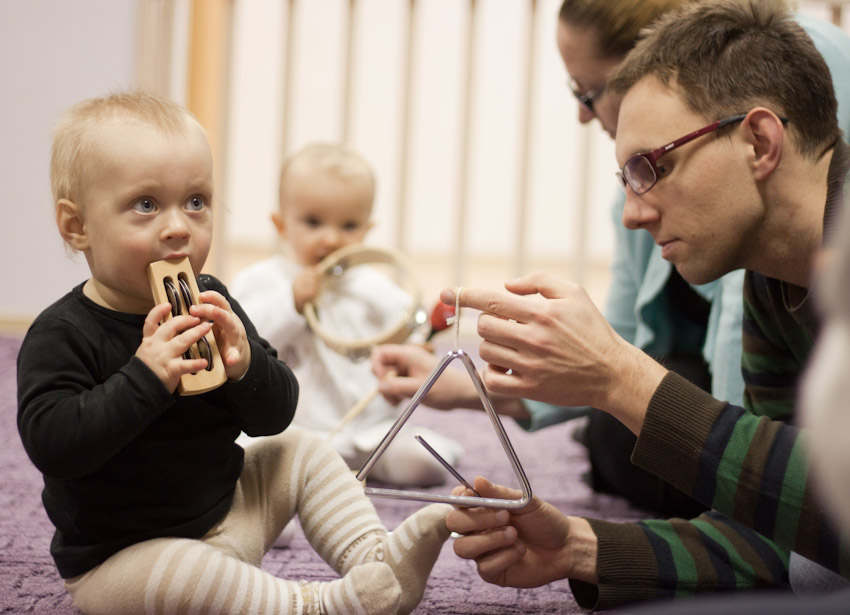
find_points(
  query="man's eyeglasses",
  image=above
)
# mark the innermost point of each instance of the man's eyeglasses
(587, 99)
(640, 171)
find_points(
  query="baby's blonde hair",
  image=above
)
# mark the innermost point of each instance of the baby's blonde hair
(75, 135)
(335, 159)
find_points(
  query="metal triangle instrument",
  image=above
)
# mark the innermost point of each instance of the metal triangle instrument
(457, 500)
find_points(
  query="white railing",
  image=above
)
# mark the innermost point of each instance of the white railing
(461, 106)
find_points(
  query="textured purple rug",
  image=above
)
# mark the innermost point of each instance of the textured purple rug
(553, 461)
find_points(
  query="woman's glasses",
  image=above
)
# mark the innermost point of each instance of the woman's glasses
(587, 99)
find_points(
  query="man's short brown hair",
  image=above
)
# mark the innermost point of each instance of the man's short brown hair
(727, 56)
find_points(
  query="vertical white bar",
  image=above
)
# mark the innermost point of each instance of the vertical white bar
(521, 253)
(222, 178)
(256, 112)
(155, 24)
(404, 134)
(288, 52)
(348, 63)
(178, 86)
(460, 253)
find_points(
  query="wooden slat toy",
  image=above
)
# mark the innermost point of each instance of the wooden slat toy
(173, 282)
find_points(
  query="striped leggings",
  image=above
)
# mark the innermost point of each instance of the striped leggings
(292, 473)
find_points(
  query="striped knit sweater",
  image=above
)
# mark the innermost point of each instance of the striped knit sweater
(747, 464)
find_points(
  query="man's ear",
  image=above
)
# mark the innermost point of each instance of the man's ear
(279, 224)
(71, 226)
(765, 132)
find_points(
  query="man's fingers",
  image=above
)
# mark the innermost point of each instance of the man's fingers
(540, 283)
(509, 305)
(477, 545)
(468, 520)
(492, 490)
(492, 567)
(506, 382)
(499, 303)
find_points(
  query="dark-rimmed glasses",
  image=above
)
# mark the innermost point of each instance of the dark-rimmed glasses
(640, 172)
(587, 99)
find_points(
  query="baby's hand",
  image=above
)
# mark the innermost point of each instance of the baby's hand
(305, 287)
(228, 330)
(163, 345)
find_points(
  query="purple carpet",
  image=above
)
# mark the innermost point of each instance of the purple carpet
(553, 461)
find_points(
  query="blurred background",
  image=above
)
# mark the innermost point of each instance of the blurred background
(461, 106)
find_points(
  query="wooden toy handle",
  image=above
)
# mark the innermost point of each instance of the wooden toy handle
(358, 408)
(174, 282)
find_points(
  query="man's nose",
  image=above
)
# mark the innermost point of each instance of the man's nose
(637, 212)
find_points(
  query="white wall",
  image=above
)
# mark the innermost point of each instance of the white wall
(53, 53)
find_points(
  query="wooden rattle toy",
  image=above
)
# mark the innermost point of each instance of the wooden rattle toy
(173, 282)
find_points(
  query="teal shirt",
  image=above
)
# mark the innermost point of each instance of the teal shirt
(636, 308)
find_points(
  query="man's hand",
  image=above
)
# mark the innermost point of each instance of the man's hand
(529, 547)
(544, 339)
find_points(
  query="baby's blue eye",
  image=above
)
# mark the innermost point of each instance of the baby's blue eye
(144, 206)
(196, 203)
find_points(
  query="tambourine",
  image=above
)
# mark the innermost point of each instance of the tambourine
(173, 282)
(396, 269)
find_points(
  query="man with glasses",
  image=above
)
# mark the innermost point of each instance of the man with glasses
(732, 158)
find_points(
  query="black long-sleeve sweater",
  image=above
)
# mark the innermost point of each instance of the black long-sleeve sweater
(123, 459)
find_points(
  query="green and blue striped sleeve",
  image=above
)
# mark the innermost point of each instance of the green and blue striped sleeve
(754, 473)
